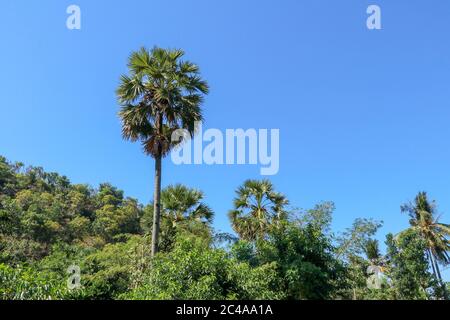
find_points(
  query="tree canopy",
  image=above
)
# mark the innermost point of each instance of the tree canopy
(49, 225)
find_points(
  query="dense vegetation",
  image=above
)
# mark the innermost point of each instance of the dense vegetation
(48, 224)
(64, 241)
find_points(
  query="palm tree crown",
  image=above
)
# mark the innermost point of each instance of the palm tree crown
(256, 207)
(180, 203)
(160, 95)
(423, 220)
(182, 212)
(372, 251)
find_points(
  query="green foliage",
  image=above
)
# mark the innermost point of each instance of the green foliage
(105, 273)
(319, 217)
(372, 251)
(48, 224)
(353, 241)
(409, 266)
(194, 271)
(26, 284)
(116, 268)
(182, 213)
(424, 221)
(39, 209)
(306, 266)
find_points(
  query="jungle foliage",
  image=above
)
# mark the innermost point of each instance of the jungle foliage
(48, 224)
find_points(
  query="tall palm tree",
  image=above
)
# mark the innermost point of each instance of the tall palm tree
(424, 221)
(256, 207)
(160, 94)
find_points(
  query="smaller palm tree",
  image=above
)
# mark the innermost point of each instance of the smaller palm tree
(372, 251)
(182, 211)
(180, 203)
(256, 208)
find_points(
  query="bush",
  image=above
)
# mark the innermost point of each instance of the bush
(196, 272)
(27, 284)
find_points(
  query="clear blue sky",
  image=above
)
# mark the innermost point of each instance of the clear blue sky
(363, 115)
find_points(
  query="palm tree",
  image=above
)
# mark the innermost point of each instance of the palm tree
(372, 251)
(180, 203)
(256, 207)
(160, 95)
(424, 221)
(376, 259)
(182, 210)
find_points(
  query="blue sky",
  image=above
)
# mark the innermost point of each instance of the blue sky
(363, 115)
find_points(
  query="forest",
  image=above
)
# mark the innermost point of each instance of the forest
(60, 240)
(48, 224)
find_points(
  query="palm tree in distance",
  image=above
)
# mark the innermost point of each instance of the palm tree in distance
(424, 221)
(372, 251)
(182, 212)
(180, 203)
(376, 259)
(256, 207)
(160, 94)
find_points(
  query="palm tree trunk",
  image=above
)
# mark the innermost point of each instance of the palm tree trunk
(156, 206)
(439, 276)
(438, 272)
(442, 282)
(430, 257)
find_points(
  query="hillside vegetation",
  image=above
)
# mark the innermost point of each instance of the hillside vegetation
(49, 225)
